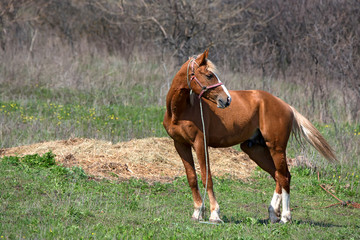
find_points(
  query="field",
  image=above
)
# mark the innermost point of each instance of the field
(109, 98)
(83, 152)
(41, 200)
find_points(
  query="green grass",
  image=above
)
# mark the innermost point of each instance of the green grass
(105, 97)
(40, 200)
(94, 97)
(54, 120)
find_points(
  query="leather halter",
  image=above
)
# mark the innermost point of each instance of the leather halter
(193, 77)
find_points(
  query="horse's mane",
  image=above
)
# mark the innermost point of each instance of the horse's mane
(210, 66)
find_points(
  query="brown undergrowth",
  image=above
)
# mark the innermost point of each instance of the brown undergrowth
(151, 159)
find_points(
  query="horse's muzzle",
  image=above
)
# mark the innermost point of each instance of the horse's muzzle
(223, 103)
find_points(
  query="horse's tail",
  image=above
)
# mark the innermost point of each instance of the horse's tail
(302, 126)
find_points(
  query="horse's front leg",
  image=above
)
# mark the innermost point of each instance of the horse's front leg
(214, 206)
(184, 151)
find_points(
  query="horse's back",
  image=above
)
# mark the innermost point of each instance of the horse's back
(261, 101)
(251, 110)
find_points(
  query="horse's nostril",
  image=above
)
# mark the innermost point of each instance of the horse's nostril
(228, 102)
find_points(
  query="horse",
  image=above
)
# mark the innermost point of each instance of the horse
(260, 122)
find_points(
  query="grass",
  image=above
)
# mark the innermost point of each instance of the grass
(40, 200)
(60, 121)
(105, 97)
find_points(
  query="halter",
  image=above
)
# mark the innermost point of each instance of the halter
(193, 77)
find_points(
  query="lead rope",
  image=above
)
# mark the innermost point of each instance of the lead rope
(202, 208)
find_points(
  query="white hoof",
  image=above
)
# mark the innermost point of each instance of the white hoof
(285, 217)
(198, 215)
(214, 217)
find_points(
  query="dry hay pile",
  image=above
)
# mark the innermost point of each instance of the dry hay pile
(152, 159)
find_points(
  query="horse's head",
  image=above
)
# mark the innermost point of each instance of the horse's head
(202, 80)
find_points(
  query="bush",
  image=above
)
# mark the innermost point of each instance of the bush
(46, 160)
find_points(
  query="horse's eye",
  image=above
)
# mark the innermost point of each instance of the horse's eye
(209, 76)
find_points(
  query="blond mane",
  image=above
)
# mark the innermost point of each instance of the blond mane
(210, 65)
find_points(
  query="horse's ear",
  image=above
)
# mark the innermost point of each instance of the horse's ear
(203, 57)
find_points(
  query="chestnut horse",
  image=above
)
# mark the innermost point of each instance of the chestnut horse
(261, 122)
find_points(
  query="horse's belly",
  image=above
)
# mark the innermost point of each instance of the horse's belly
(225, 141)
(231, 138)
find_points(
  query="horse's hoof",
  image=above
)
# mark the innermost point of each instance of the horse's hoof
(275, 220)
(217, 221)
(195, 219)
(286, 217)
(284, 222)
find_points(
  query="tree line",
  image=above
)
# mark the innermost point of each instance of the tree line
(276, 38)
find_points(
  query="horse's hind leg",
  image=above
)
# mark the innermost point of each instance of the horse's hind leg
(282, 177)
(187, 158)
(260, 154)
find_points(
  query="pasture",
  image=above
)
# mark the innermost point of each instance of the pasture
(108, 98)
(41, 200)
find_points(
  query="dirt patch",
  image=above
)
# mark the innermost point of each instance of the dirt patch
(152, 159)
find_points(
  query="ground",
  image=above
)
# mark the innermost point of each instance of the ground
(151, 159)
